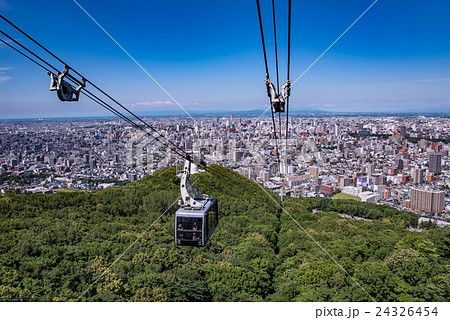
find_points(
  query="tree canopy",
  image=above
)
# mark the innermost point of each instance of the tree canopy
(52, 247)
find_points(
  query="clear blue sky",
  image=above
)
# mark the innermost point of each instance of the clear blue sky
(208, 54)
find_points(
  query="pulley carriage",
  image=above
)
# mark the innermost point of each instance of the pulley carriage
(64, 90)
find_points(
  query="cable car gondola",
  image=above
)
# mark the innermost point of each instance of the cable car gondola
(197, 217)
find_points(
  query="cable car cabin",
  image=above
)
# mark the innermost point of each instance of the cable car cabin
(194, 227)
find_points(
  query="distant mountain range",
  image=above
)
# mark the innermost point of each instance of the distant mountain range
(292, 112)
(443, 111)
(222, 112)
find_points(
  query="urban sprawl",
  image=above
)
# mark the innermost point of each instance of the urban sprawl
(402, 162)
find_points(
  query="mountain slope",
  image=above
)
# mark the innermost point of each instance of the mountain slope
(52, 247)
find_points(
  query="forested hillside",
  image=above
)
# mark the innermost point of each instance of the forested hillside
(52, 247)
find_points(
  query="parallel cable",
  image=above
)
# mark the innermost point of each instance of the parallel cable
(29, 51)
(288, 68)
(29, 37)
(278, 83)
(276, 140)
(93, 97)
(23, 54)
(105, 105)
(281, 144)
(275, 41)
(183, 155)
(267, 70)
(89, 94)
(262, 37)
(288, 77)
(45, 68)
(279, 124)
(76, 72)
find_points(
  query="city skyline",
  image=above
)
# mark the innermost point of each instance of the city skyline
(375, 159)
(209, 57)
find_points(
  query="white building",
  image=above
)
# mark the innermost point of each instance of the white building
(368, 196)
(353, 191)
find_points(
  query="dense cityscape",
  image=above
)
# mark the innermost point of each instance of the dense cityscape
(402, 162)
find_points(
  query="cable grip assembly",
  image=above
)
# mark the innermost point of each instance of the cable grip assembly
(64, 90)
(278, 101)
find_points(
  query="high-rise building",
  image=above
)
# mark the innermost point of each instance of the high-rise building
(92, 164)
(343, 181)
(399, 164)
(406, 163)
(370, 169)
(434, 162)
(427, 200)
(417, 175)
(337, 130)
(382, 180)
(237, 156)
(402, 130)
(314, 172)
(264, 175)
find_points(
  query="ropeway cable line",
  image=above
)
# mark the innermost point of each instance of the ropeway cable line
(279, 97)
(86, 92)
(159, 137)
(76, 80)
(267, 74)
(70, 77)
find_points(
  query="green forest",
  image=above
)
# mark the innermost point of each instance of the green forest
(53, 247)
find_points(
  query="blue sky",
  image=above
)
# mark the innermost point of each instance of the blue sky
(208, 55)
